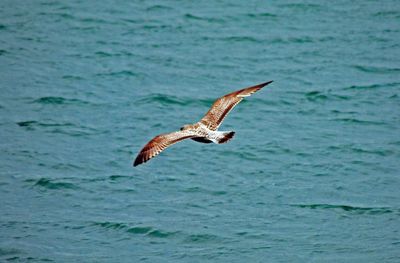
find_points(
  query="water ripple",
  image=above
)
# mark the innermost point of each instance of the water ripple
(52, 184)
(159, 8)
(202, 238)
(377, 70)
(173, 100)
(302, 6)
(320, 96)
(373, 86)
(354, 209)
(80, 77)
(241, 39)
(392, 13)
(207, 19)
(354, 149)
(153, 232)
(60, 101)
(261, 15)
(121, 73)
(138, 230)
(67, 128)
(358, 121)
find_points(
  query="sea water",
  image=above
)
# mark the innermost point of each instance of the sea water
(312, 174)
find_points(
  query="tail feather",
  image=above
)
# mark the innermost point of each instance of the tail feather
(226, 137)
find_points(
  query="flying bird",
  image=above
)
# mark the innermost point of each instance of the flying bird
(204, 131)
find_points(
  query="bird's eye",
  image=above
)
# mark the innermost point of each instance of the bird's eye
(181, 129)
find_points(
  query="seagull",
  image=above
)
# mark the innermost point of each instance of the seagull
(204, 131)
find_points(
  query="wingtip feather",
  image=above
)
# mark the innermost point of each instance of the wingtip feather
(136, 162)
(139, 160)
(266, 83)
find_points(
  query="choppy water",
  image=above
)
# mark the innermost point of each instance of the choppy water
(312, 174)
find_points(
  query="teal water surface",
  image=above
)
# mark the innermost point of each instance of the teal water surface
(312, 174)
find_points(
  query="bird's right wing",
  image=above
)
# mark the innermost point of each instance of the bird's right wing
(225, 104)
(160, 143)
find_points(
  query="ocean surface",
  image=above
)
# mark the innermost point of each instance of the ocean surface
(312, 174)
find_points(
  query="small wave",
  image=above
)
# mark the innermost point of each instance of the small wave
(24, 258)
(50, 4)
(199, 18)
(135, 21)
(103, 54)
(26, 123)
(319, 96)
(2, 52)
(348, 208)
(158, 27)
(66, 166)
(152, 232)
(159, 234)
(376, 152)
(351, 148)
(336, 111)
(137, 230)
(62, 15)
(140, 229)
(31, 124)
(197, 189)
(159, 8)
(394, 14)
(302, 6)
(242, 155)
(261, 15)
(301, 40)
(162, 99)
(110, 225)
(72, 77)
(395, 143)
(9, 251)
(118, 177)
(315, 95)
(201, 238)
(61, 128)
(122, 73)
(93, 20)
(241, 39)
(173, 100)
(377, 70)
(296, 40)
(59, 101)
(357, 121)
(83, 20)
(374, 86)
(52, 184)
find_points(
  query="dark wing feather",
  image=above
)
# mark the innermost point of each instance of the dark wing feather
(160, 143)
(225, 104)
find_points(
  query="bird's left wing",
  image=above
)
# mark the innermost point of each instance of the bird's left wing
(160, 143)
(225, 104)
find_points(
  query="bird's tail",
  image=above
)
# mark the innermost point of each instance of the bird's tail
(225, 137)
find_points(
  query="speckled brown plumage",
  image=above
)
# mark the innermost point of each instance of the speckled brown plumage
(204, 131)
(225, 104)
(159, 143)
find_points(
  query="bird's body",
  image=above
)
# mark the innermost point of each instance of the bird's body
(204, 131)
(206, 135)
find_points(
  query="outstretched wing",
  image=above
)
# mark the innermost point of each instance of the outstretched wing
(225, 104)
(160, 143)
